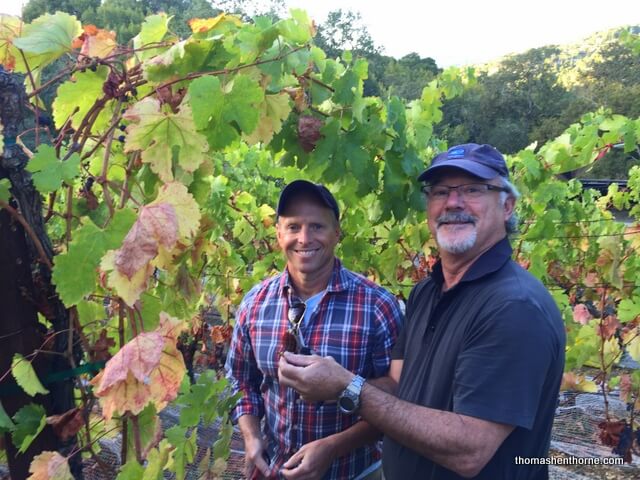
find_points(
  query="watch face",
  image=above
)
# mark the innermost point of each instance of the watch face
(347, 404)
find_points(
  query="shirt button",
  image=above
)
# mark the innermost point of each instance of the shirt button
(294, 427)
(298, 401)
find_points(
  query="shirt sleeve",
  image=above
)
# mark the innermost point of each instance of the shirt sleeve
(242, 369)
(389, 320)
(501, 372)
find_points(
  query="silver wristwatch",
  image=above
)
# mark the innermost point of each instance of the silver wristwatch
(349, 399)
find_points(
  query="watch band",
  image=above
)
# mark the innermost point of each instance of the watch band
(356, 385)
(349, 400)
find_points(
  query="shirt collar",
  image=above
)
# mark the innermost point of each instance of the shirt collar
(338, 282)
(490, 261)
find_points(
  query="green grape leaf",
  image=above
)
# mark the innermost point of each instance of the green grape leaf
(185, 448)
(75, 271)
(156, 461)
(148, 428)
(160, 134)
(49, 172)
(615, 122)
(81, 93)
(5, 193)
(240, 103)
(273, 111)
(214, 110)
(346, 87)
(6, 424)
(153, 30)
(90, 313)
(298, 28)
(221, 447)
(29, 420)
(131, 470)
(45, 39)
(207, 100)
(628, 310)
(26, 376)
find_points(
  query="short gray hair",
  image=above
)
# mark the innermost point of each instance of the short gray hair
(511, 225)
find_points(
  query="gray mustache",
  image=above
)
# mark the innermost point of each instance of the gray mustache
(456, 217)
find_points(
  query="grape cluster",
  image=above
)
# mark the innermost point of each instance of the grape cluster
(309, 132)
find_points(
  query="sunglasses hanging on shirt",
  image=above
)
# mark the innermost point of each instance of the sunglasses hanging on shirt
(292, 339)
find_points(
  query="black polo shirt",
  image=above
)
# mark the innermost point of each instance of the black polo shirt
(492, 347)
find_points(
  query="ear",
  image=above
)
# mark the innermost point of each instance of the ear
(509, 206)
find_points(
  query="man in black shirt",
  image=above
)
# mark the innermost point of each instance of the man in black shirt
(479, 363)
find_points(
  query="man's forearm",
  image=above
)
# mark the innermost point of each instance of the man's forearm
(250, 427)
(386, 384)
(457, 442)
(356, 436)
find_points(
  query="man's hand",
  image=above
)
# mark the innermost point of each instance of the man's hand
(310, 462)
(315, 378)
(255, 464)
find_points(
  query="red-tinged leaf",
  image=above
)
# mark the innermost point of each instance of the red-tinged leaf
(221, 333)
(174, 216)
(581, 314)
(170, 327)
(156, 225)
(10, 28)
(49, 466)
(608, 327)
(591, 279)
(68, 424)
(138, 357)
(149, 368)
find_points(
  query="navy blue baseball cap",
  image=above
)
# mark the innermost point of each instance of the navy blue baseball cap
(482, 161)
(317, 190)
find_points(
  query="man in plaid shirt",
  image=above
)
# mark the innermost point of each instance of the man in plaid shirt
(314, 305)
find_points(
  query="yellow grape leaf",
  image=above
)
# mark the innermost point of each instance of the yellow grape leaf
(186, 207)
(129, 289)
(97, 42)
(170, 327)
(49, 466)
(10, 28)
(611, 352)
(631, 340)
(577, 383)
(201, 25)
(273, 111)
(149, 368)
(160, 134)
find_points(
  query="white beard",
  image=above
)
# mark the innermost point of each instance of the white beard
(456, 242)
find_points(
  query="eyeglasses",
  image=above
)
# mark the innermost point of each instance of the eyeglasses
(468, 191)
(292, 341)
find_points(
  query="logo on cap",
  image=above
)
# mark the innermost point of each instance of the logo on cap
(456, 153)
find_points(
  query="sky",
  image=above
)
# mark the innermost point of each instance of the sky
(460, 32)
